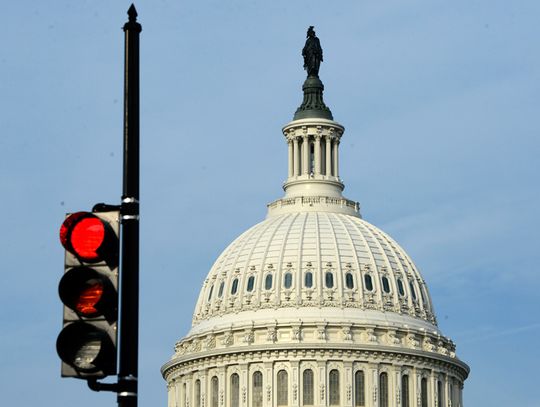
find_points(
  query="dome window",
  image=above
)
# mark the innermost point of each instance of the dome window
(307, 387)
(210, 292)
(250, 283)
(413, 292)
(359, 389)
(214, 392)
(329, 279)
(235, 390)
(287, 280)
(385, 285)
(349, 282)
(221, 286)
(368, 282)
(282, 388)
(268, 282)
(197, 393)
(383, 389)
(257, 389)
(308, 279)
(405, 390)
(234, 287)
(333, 379)
(400, 287)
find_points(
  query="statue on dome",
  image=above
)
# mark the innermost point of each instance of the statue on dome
(312, 53)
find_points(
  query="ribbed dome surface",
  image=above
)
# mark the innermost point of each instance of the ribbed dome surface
(314, 259)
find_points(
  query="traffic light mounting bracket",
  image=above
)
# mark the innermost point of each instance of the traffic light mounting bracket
(94, 385)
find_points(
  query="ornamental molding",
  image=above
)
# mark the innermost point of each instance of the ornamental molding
(205, 363)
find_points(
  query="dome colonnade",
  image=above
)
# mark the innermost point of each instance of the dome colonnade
(314, 306)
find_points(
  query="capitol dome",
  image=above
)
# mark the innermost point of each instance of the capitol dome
(314, 306)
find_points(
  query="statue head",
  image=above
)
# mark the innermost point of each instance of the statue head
(311, 31)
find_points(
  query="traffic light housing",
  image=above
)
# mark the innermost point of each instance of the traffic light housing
(89, 291)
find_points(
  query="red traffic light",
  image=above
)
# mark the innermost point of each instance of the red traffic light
(87, 237)
(88, 293)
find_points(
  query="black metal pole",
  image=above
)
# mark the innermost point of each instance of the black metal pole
(129, 275)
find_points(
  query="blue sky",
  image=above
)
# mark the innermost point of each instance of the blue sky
(440, 102)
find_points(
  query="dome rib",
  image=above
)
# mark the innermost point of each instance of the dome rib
(337, 251)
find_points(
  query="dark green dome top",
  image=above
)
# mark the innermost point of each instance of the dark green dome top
(313, 104)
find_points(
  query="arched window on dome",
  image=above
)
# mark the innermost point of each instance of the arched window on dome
(250, 283)
(405, 391)
(368, 281)
(359, 389)
(333, 385)
(268, 282)
(439, 394)
(235, 390)
(385, 284)
(282, 388)
(383, 389)
(349, 281)
(210, 292)
(423, 393)
(220, 292)
(401, 288)
(329, 279)
(234, 287)
(413, 291)
(197, 396)
(308, 279)
(214, 390)
(307, 387)
(287, 280)
(185, 395)
(257, 396)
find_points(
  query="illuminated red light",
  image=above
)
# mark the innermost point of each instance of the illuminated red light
(83, 234)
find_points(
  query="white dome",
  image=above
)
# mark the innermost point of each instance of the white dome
(266, 268)
(314, 305)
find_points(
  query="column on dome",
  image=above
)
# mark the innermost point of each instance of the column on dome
(179, 394)
(268, 378)
(328, 163)
(317, 169)
(244, 383)
(223, 387)
(321, 392)
(305, 154)
(187, 398)
(397, 386)
(296, 382)
(296, 157)
(291, 157)
(336, 158)
(171, 390)
(434, 395)
(347, 384)
(204, 387)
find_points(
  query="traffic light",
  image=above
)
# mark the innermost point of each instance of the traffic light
(89, 290)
